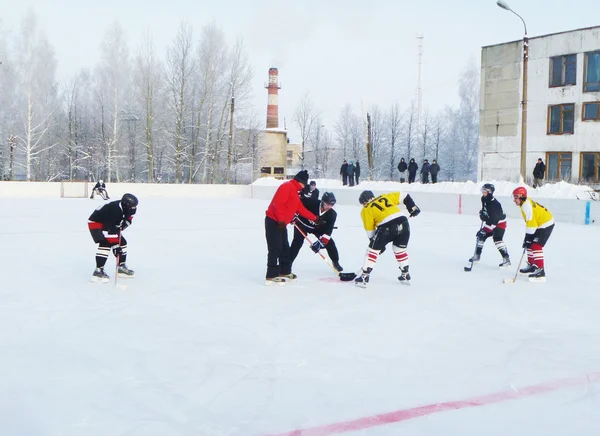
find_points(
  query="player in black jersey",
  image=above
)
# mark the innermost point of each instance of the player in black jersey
(327, 216)
(106, 224)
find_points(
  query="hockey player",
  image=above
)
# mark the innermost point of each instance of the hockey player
(100, 189)
(385, 223)
(539, 224)
(281, 211)
(494, 225)
(327, 217)
(106, 224)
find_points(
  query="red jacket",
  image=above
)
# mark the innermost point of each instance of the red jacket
(286, 203)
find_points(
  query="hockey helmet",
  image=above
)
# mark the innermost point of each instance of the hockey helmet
(489, 188)
(100, 181)
(328, 198)
(365, 197)
(129, 201)
(520, 192)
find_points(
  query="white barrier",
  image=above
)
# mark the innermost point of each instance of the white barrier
(564, 210)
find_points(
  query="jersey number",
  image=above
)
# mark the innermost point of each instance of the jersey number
(535, 203)
(383, 200)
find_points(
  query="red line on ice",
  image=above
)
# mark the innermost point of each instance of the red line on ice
(416, 412)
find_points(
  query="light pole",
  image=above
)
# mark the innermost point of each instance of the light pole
(504, 5)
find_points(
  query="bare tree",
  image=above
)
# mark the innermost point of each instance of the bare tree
(305, 117)
(393, 124)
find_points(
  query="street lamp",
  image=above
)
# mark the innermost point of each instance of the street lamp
(505, 6)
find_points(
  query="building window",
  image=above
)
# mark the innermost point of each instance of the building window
(590, 163)
(563, 70)
(591, 111)
(591, 76)
(290, 154)
(559, 166)
(289, 162)
(265, 170)
(278, 170)
(561, 119)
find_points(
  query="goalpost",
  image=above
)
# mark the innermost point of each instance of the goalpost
(74, 189)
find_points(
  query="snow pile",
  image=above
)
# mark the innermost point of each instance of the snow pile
(503, 188)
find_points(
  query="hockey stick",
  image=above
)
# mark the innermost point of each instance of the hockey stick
(509, 281)
(345, 277)
(469, 268)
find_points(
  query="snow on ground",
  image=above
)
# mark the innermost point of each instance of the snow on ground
(503, 188)
(197, 345)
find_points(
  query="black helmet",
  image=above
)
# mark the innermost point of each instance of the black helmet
(489, 188)
(129, 201)
(365, 197)
(328, 198)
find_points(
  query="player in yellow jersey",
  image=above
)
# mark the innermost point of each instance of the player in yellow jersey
(385, 223)
(539, 224)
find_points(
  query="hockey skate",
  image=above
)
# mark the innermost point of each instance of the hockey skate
(123, 271)
(505, 262)
(363, 279)
(405, 276)
(337, 266)
(530, 268)
(100, 276)
(476, 257)
(278, 281)
(288, 277)
(539, 275)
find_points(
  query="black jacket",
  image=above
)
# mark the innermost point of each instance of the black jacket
(357, 169)
(434, 169)
(343, 169)
(491, 210)
(425, 168)
(539, 170)
(402, 166)
(327, 219)
(413, 167)
(306, 193)
(98, 185)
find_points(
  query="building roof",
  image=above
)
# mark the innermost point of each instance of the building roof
(543, 36)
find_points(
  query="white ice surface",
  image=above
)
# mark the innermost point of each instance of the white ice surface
(197, 345)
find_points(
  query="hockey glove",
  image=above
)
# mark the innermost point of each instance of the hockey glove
(317, 245)
(412, 208)
(483, 216)
(125, 223)
(415, 211)
(117, 250)
(528, 240)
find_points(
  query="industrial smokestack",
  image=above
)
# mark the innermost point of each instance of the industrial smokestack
(272, 104)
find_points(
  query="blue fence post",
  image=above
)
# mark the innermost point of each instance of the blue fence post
(588, 205)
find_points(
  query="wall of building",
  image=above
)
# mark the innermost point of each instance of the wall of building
(501, 90)
(272, 151)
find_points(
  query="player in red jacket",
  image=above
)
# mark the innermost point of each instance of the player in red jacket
(281, 211)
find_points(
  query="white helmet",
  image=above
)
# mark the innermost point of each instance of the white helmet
(100, 181)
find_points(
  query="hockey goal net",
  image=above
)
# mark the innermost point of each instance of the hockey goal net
(74, 190)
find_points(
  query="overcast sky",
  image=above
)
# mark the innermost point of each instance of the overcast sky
(339, 51)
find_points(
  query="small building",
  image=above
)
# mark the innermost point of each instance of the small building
(563, 107)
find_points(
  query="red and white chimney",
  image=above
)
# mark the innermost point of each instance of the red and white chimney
(272, 104)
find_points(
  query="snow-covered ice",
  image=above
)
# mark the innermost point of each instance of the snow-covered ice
(197, 345)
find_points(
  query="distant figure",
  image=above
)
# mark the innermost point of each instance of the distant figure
(425, 171)
(412, 170)
(100, 189)
(344, 173)
(434, 169)
(311, 191)
(402, 166)
(538, 173)
(350, 172)
(357, 171)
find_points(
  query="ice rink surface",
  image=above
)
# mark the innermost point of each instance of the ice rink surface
(197, 345)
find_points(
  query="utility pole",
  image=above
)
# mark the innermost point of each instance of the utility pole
(420, 67)
(369, 147)
(230, 145)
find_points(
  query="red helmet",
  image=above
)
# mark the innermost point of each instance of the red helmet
(520, 192)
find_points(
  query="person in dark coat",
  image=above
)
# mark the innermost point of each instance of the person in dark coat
(344, 173)
(434, 169)
(357, 171)
(425, 171)
(350, 171)
(281, 211)
(402, 166)
(538, 173)
(412, 170)
(311, 191)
